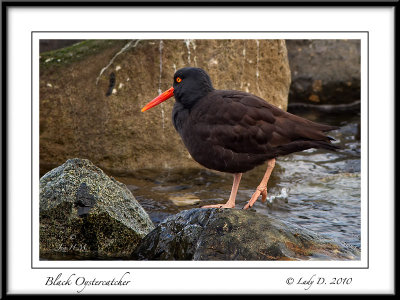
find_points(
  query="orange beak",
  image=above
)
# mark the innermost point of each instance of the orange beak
(161, 98)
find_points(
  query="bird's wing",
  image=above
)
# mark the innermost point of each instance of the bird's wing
(244, 123)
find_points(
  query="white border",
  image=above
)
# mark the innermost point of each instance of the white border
(36, 36)
(22, 21)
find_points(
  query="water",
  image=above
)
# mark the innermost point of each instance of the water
(317, 189)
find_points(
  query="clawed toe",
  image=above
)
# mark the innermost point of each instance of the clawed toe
(247, 206)
(264, 195)
(218, 206)
(257, 193)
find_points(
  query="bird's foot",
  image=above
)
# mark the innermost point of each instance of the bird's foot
(259, 191)
(226, 205)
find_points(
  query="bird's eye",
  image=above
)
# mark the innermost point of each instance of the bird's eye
(178, 79)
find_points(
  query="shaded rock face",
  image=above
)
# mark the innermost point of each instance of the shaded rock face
(85, 212)
(229, 234)
(91, 95)
(324, 71)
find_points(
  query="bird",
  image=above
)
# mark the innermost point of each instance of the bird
(234, 131)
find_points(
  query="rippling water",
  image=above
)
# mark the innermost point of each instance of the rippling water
(317, 189)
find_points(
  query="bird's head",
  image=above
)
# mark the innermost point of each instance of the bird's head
(190, 85)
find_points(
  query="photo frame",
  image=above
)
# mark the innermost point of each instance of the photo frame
(26, 274)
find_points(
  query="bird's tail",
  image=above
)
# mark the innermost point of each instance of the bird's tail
(315, 134)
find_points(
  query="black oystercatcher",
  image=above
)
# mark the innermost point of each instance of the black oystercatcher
(234, 131)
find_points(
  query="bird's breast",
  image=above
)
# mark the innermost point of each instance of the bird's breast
(179, 116)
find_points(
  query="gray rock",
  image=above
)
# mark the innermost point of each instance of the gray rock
(230, 234)
(85, 212)
(324, 71)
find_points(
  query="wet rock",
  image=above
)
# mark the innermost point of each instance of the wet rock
(230, 234)
(91, 95)
(85, 212)
(84, 200)
(324, 71)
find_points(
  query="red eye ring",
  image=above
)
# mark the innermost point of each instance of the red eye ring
(178, 79)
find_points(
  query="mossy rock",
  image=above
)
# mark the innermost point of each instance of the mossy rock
(84, 212)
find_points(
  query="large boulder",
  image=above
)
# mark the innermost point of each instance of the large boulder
(231, 234)
(84, 212)
(91, 95)
(324, 71)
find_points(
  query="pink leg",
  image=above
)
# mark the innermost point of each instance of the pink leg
(232, 197)
(262, 187)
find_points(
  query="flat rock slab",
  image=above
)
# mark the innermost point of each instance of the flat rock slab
(85, 213)
(231, 234)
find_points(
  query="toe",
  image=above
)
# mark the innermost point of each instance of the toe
(218, 206)
(264, 195)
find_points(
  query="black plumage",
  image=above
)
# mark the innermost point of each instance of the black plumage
(234, 131)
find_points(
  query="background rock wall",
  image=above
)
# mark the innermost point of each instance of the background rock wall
(91, 94)
(324, 71)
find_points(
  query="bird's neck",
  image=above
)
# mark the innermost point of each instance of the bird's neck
(189, 98)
